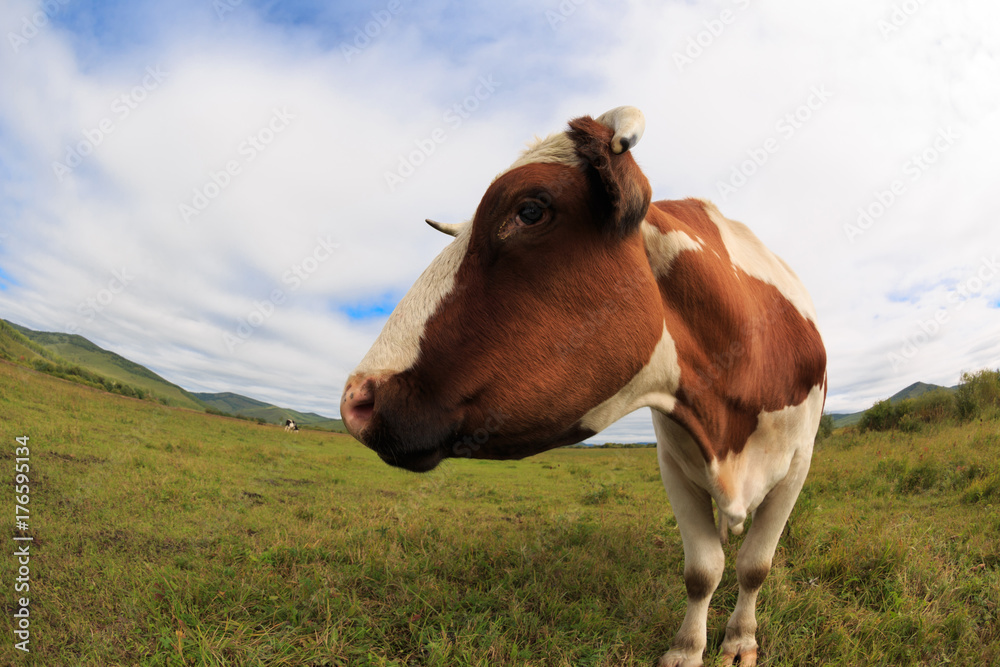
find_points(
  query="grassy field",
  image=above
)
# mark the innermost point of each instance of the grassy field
(165, 536)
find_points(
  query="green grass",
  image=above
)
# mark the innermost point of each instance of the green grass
(172, 537)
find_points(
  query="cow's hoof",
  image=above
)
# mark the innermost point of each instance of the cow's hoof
(678, 658)
(747, 656)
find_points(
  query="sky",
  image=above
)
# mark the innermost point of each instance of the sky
(232, 192)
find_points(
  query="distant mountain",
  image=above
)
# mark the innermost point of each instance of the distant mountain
(25, 346)
(232, 403)
(914, 390)
(80, 351)
(236, 404)
(841, 419)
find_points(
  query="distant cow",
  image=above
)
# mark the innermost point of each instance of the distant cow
(291, 425)
(568, 301)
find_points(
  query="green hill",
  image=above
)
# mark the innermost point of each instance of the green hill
(78, 350)
(73, 357)
(236, 404)
(16, 347)
(917, 389)
(231, 403)
(914, 390)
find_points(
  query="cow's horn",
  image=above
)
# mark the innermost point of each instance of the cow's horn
(451, 229)
(628, 124)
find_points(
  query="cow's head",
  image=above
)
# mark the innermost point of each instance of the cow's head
(529, 330)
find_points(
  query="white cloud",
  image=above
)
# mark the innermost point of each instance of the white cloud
(345, 123)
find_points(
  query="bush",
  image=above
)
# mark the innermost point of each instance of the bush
(909, 414)
(934, 406)
(825, 428)
(885, 416)
(908, 423)
(978, 392)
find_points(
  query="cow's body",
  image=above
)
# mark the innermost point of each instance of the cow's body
(291, 426)
(570, 301)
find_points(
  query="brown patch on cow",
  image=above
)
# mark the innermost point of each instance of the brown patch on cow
(752, 578)
(699, 583)
(742, 346)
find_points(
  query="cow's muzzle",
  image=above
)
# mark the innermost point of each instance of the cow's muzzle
(380, 412)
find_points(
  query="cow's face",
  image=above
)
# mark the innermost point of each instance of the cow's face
(542, 309)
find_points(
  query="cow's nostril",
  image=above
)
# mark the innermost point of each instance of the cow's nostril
(358, 405)
(362, 412)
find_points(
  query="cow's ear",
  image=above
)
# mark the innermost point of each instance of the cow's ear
(621, 186)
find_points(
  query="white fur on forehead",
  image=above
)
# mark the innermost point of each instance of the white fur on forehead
(557, 148)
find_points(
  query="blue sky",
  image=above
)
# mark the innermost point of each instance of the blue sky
(276, 129)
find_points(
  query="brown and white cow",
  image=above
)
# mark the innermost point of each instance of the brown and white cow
(568, 301)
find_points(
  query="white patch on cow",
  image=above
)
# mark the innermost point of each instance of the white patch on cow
(398, 346)
(662, 248)
(740, 482)
(751, 256)
(654, 386)
(743, 480)
(557, 148)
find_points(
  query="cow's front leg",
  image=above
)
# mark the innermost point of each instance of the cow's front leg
(754, 561)
(704, 562)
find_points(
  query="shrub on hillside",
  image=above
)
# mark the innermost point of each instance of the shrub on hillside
(75, 373)
(884, 415)
(908, 422)
(825, 428)
(909, 414)
(978, 392)
(934, 406)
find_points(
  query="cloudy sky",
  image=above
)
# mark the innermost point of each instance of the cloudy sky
(232, 192)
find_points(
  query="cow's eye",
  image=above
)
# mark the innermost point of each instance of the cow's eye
(530, 213)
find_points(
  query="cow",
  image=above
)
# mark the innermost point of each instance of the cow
(570, 300)
(291, 426)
